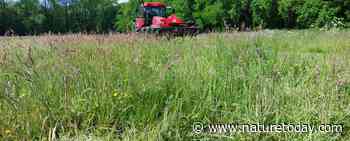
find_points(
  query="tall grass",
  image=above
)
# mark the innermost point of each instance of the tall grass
(132, 87)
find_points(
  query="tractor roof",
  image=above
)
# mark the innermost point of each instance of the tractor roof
(154, 4)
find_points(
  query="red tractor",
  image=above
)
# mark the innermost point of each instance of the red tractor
(152, 18)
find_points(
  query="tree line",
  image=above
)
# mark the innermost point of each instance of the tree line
(26, 17)
(57, 16)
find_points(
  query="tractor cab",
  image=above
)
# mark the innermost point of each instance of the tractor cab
(152, 9)
(148, 11)
(153, 17)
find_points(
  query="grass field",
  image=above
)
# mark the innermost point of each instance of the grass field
(134, 87)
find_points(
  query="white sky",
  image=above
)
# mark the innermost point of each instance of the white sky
(121, 1)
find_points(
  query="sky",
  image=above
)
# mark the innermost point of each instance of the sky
(121, 1)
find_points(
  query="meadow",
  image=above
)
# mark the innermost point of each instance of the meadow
(138, 87)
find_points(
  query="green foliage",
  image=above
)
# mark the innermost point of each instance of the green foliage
(183, 8)
(215, 14)
(33, 17)
(209, 14)
(326, 16)
(128, 12)
(308, 12)
(287, 11)
(260, 9)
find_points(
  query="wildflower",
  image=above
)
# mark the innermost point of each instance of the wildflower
(23, 95)
(24, 92)
(115, 94)
(119, 94)
(7, 131)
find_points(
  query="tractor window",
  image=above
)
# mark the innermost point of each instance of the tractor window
(155, 11)
(150, 12)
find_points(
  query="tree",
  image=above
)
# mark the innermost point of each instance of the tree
(287, 11)
(261, 12)
(128, 12)
(2, 4)
(32, 18)
(209, 14)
